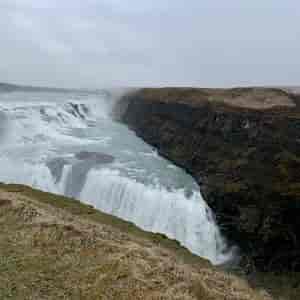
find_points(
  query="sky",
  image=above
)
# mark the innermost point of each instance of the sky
(99, 43)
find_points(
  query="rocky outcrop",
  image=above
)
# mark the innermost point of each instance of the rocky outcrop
(95, 157)
(243, 148)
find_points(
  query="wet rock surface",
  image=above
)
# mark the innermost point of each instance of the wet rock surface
(56, 166)
(97, 157)
(246, 158)
(79, 169)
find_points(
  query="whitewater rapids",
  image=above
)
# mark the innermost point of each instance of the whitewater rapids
(41, 134)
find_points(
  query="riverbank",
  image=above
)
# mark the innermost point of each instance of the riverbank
(242, 147)
(53, 247)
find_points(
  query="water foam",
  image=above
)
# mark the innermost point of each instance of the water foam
(153, 208)
(35, 136)
(35, 175)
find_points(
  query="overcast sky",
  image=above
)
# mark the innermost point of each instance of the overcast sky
(95, 43)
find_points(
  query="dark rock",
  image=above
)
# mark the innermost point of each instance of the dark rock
(245, 155)
(96, 157)
(76, 177)
(56, 166)
(75, 110)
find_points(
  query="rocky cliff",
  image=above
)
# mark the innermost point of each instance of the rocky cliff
(243, 147)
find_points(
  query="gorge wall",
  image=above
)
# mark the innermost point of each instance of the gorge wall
(243, 147)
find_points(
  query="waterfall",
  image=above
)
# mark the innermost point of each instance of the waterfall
(186, 219)
(41, 135)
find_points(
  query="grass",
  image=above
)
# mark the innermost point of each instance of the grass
(257, 98)
(52, 247)
(77, 208)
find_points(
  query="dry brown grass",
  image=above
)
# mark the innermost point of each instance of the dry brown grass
(52, 247)
(249, 98)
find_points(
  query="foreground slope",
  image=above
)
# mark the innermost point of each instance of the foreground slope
(242, 145)
(52, 247)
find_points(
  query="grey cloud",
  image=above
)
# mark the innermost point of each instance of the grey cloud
(120, 42)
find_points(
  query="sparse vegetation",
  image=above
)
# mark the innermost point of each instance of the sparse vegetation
(52, 247)
(250, 98)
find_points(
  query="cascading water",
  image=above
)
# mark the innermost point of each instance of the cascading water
(42, 135)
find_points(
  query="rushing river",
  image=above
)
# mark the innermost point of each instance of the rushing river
(50, 140)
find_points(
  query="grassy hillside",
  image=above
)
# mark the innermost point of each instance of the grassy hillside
(52, 247)
(258, 98)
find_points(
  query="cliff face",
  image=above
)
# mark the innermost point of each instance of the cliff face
(243, 148)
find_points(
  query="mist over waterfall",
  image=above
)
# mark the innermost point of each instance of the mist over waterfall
(67, 143)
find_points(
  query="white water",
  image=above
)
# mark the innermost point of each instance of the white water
(40, 134)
